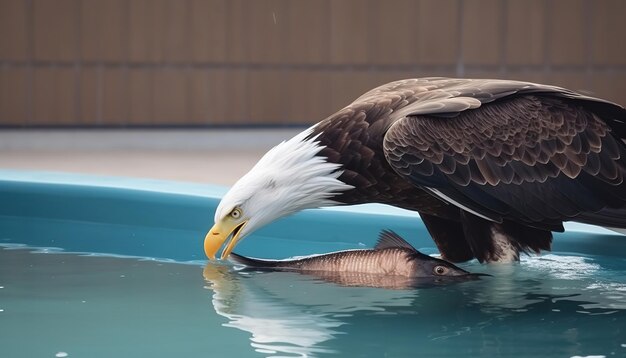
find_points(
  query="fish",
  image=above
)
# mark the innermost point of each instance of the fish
(392, 262)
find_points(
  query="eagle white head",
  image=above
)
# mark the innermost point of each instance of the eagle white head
(290, 177)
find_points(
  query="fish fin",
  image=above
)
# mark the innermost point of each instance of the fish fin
(250, 262)
(389, 239)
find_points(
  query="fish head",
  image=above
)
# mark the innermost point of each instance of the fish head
(427, 266)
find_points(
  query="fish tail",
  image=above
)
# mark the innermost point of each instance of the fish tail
(252, 262)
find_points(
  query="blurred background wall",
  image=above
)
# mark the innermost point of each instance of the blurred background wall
(283, 62)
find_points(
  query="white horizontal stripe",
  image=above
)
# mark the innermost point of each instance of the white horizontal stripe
(457, 204)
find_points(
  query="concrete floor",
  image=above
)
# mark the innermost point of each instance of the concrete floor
(203, 155)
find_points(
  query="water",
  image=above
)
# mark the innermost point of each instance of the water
(60, 304)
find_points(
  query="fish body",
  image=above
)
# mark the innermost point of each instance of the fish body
(392, 256)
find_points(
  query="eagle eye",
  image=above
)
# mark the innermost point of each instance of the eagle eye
(236, 213)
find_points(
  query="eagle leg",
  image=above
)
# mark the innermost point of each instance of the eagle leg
(449, 238)
(502, 242)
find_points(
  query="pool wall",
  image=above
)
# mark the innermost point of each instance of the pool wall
(168, 220)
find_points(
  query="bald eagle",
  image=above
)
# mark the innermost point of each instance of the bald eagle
(492, 166)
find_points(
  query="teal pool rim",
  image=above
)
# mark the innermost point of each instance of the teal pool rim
(167, 220)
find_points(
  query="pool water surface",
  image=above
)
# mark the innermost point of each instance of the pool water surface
(114, 267)
(86, 305)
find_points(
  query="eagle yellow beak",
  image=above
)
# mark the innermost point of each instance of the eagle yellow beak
(219, 233)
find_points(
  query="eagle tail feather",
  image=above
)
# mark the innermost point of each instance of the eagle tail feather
(607, 217)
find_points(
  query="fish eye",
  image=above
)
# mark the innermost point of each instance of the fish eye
(440, 270)
(236, 213)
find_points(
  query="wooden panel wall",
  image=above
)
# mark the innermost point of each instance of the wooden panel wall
(243, 62)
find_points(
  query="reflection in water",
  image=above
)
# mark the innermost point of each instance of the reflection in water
(288, 313)
(538, 307)
(356, 279)
(274, 327)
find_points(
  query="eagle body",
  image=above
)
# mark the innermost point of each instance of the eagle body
(490, 179)
(492, 166)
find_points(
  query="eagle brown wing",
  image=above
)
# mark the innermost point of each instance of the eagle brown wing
(511, 150)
